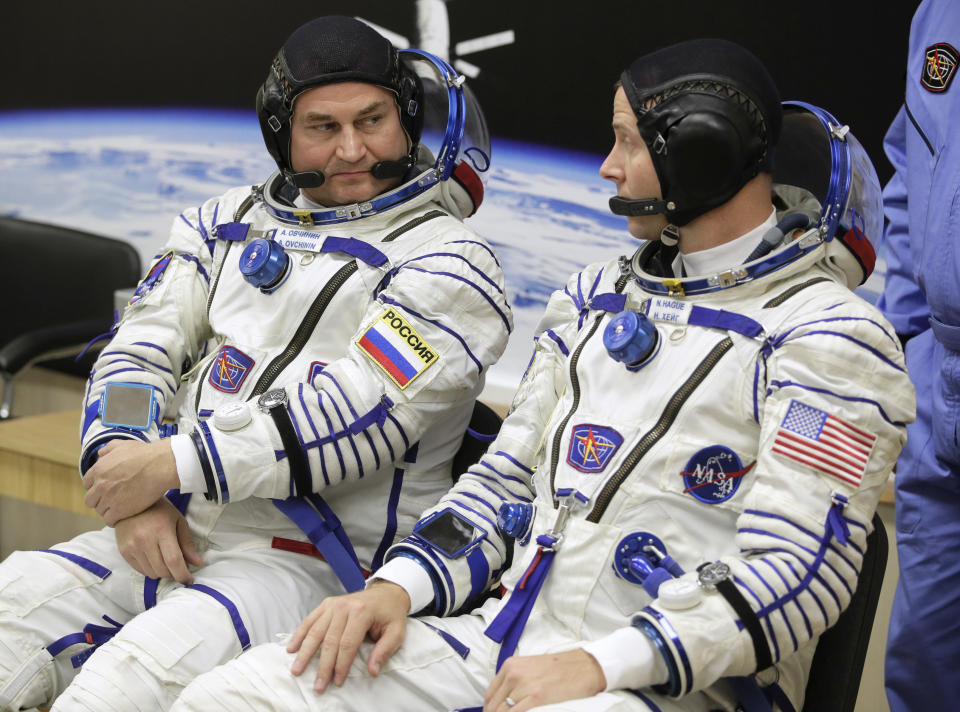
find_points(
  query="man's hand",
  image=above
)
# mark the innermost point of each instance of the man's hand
(128, 477)
(338, 626)
(157, 543)
(536, 680)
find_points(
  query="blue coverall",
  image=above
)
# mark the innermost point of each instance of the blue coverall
(922, 300)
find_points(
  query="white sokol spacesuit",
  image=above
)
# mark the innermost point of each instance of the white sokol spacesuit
(706, 507)
(370, 341)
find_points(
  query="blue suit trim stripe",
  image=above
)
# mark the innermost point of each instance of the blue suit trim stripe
(238, 625)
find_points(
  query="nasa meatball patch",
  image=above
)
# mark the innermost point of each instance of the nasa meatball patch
(939, 66)
(714, 474)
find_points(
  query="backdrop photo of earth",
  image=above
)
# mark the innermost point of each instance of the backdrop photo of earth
(119, 116)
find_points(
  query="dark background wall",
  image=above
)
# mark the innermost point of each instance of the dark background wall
(552, 86)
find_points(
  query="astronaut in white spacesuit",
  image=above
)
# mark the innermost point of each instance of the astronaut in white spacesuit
(331, 330)
(690, 465)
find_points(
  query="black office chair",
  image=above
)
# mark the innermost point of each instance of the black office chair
(838, 663)
(482, 429)
(56, 287)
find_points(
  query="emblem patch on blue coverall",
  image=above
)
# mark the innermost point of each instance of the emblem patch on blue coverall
(230, 369)
(939, 66)
(714, 474)
(592, 446)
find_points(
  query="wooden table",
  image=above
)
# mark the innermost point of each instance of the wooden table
(39, 456)
(38, 460)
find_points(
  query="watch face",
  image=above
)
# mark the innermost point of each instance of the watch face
(712, 574)
(272, 399)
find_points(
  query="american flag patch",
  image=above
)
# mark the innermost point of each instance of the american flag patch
(393, 344)
(824, 442)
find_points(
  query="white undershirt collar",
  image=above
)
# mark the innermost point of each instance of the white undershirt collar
(729, 254)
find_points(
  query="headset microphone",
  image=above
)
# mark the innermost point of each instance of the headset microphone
(391, 169)
(635, 208)
(306, 179)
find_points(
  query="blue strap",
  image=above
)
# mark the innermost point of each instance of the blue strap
(749, 695)
(61, 644)
(319, 526)
(90, 415)
(150, 592)
(92, 635)
(179, 499)
(481, 437)
(651, 584)
(93, 567)
(777, 696)
(479, 571)
(722, 319)
(355, 248)
(836, 522)
(462, 650)
(334, 523)
(412, 452)
(609, 302)
(508, 626)
(377, 414)
(231, 232)
(232, 609)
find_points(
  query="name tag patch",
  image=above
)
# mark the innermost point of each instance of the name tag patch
(668, 310)
(230, 369)
(396, 347)
(592, 446)
(294, 239)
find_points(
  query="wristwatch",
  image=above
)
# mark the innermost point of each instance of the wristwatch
(716, 576)
(272, 399)
(275, 402)
(711, 575)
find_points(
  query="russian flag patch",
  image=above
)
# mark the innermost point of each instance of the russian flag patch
(396, 347)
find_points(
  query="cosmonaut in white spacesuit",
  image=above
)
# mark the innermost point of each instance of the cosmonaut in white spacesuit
(329, 331)
(690, 465)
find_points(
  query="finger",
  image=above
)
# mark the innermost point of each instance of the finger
(496, 693)
(187, 545)
(353, 634)
(144, 566)
(311, 643)
(173, 558)
(386, 646)
(92, 498)
(154, 556)
(293, 645)
(329, 648)
(132, 559)
(108, 514)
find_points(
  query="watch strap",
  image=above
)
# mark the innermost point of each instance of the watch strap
(297, 461)
(728, 589)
